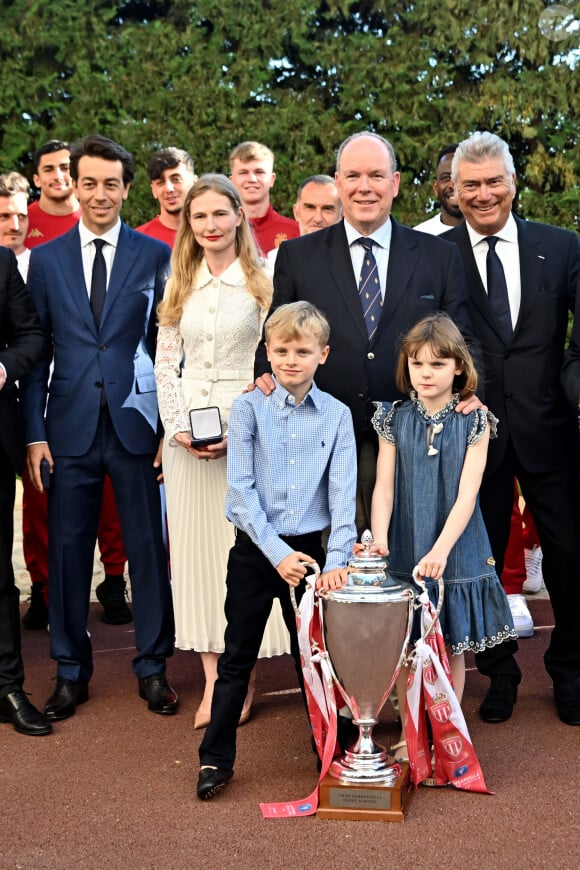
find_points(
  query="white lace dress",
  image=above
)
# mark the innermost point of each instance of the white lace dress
(218, 334)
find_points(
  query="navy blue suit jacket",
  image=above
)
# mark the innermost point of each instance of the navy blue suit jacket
(118, 357)
(523, 385)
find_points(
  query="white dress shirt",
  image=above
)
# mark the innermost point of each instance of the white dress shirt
(88, 250)
(381, 248)
(23, 261)
(508, 252)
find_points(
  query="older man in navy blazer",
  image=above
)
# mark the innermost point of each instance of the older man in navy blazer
(96, 290)
(523, 345)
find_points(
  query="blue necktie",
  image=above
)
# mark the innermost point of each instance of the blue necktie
(98, 281)
(369, 289)
(497, 291)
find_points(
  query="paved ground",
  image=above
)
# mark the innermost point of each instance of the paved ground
(113, 787)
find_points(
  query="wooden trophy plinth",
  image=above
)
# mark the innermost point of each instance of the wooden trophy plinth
(372, 802)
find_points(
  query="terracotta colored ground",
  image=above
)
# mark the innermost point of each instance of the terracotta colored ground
(114, 786)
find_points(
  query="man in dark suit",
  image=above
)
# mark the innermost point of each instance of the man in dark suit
(522, 282)
(417, 275)
(96, 289)
(21, 343)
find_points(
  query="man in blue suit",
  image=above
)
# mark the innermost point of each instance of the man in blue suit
(96, 290)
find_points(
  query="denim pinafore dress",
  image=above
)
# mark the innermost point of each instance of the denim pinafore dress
(430, 455)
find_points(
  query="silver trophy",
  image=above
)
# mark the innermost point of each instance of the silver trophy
(365, 628)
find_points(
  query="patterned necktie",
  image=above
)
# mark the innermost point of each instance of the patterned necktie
(369, 289)
(497, 291)
(98, 281)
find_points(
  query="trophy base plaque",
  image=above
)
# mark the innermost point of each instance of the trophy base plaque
(366, 802)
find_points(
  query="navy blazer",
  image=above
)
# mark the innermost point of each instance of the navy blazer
(117, 357)
(424, 275)
(523, 385)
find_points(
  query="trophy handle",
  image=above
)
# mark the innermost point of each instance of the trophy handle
(440, 596)
(316, 571)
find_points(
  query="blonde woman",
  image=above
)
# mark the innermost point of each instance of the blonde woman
(210, 321)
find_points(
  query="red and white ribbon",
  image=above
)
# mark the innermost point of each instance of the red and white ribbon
(429, 687)
(319, 685)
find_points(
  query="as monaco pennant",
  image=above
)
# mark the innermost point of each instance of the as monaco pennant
(319, 687)
(429, 686)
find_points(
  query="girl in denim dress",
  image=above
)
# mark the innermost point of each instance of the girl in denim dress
(425, 508)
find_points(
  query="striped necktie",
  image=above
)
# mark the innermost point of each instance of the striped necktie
(369, 289)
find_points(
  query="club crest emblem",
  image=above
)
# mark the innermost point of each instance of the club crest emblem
(441, 709)
(429, 674)
(453, 746)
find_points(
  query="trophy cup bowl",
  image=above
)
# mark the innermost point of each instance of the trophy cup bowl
(365, 631)
(365, 635)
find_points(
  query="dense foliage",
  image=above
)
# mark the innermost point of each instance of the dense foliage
(298, 76)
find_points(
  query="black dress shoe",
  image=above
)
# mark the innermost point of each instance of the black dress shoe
(111, 593)
(161, 697)
(63, 701)
(211, 781)
(498, 704)
(567, 697)
(26, 719)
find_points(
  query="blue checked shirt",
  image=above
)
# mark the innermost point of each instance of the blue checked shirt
(291, 471)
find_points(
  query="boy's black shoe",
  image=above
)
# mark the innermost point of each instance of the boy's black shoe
(211, 781)
(111, 593)
(36, 617)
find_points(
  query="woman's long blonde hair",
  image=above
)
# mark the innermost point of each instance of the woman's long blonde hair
(188, 254)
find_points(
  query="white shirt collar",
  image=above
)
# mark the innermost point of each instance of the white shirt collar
(508, 233)
(382, 235)
(111, 236)
(233, 275)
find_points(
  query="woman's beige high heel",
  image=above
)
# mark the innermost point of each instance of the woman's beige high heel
(247, 708)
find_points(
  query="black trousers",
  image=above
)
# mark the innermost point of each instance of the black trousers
(552, 498)
(11, 668)
(252, 584)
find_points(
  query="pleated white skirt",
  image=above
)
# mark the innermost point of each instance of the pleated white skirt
(200, 538)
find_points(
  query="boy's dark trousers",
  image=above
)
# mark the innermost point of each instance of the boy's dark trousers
(252, 584)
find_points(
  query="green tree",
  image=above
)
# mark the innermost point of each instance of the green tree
(299, 76)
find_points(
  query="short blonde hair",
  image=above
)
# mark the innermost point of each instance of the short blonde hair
(440, 334)
(246, 151)
(295, 319)
(12, 183)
